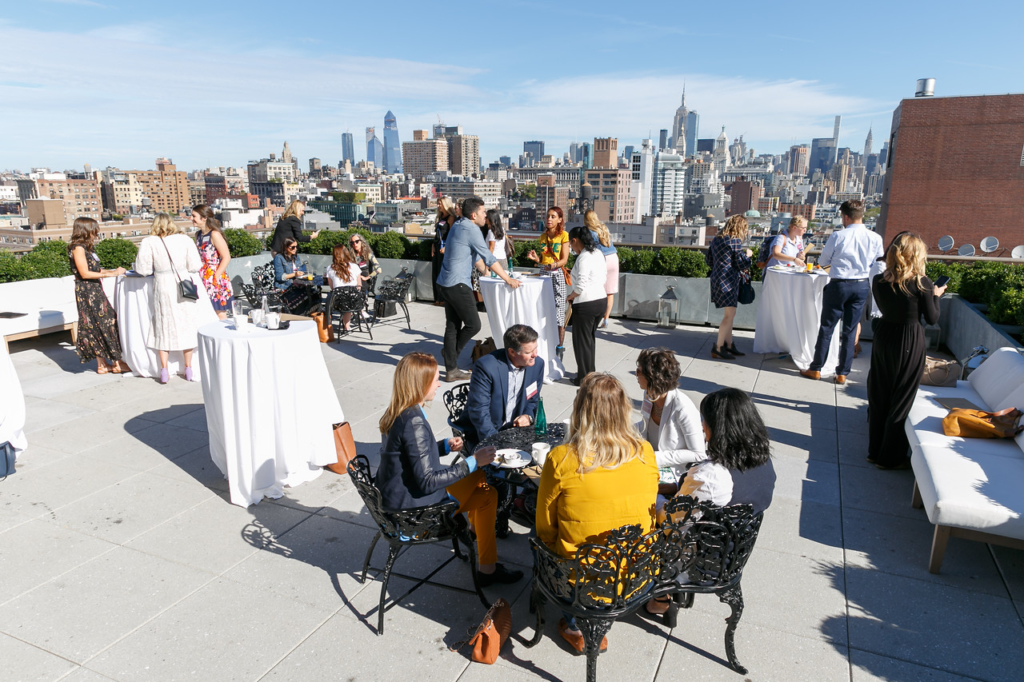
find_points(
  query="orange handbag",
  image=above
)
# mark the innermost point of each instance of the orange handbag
(345, 446)
(982, 424)
(488, 637)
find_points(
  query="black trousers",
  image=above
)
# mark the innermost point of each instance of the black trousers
(435, 271)
(842, 300)
(462, 322)
(585, 317)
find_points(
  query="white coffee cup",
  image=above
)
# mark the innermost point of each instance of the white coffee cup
(273, 320)
(540, 453)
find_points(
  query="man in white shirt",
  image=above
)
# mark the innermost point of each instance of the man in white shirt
(851, 252)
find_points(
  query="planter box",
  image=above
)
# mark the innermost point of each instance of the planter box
(746, 315)
(639, 295)
(964, 327)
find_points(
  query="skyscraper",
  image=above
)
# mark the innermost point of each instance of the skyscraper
(535, 147)
(678, 141)
(642, 167)
(692, 123)
(669, 184)
(835, 131)
(606, 152)
(348, 148)
(663, 139)
(720, 157)
(823, 155)
(392, 145)
(867, 145)
(374, 148)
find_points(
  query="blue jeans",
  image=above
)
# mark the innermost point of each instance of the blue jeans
(843, 299)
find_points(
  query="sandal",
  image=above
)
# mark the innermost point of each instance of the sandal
(103, 369)
(121, 367)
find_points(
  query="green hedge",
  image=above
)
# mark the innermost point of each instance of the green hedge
(116, 253)
(242, 244)
(1000, 286)
(49, 259)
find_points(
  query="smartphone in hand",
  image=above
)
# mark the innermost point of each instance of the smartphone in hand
(942, 281)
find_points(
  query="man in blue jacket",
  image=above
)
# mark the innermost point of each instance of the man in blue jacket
(505, 386)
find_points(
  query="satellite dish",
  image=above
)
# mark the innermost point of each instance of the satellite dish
(1018, 252)
(989, 244)
(946, 243)
(965, 250)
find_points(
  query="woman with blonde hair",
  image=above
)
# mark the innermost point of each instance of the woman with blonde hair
(902, 293)
(604, 477)
(97, 337)
(603, 239)
(730, 263)
(411, 475)
(445, 219)
(170, 256)
(290, 226)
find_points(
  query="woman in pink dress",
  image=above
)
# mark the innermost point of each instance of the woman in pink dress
(213, 249)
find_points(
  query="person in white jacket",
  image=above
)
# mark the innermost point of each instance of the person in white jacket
(670, 421)
(588, 299)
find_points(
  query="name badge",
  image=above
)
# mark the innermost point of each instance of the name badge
(646, 409)
(531, 391)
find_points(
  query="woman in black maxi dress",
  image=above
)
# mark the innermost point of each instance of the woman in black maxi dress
(898, 349)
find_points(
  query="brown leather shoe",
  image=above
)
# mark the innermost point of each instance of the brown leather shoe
(840, 378)
(576, 641)
(811, 374)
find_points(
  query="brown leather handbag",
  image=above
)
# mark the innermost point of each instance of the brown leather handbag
(323, 327)
(982, 424)
(488, 637)
(346, 447)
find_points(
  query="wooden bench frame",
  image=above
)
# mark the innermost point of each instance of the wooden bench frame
(944, 533)
(70, 326)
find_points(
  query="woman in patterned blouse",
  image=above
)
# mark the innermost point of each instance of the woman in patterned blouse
(729, 261)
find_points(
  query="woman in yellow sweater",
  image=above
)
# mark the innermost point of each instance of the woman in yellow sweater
(614, 482)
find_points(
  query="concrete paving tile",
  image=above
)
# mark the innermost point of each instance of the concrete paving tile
(1011, 566)
(170, 441)
(710, 375)
(94, 430)
(790, 385)
(853, 451)
(34, 552)
(320, 658)
(316, 494)
(174, 408)
(885, 492)
(25, 662)
(85, 675)
(126, 391)
(812, 481)
(42, 415)
(36, 457)
(808, 601)
(821, 444)
(64, 383)
(88, 609)
(196, 466)
(853, 420)
(868, 667)
(208, 636)
(916, 621)
(901, 546)
(696, 651)
(317, 562)
(215, 534)
(39, 492)
(795, 416)
(803, 528)
(350, 508)
(193, 420)
(127, 509)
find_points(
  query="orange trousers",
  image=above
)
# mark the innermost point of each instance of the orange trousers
(479, 502)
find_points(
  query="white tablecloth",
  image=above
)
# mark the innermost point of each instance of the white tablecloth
(532, 304)
(789, 316)
(133, 301)
(270, 407)
(12, 404)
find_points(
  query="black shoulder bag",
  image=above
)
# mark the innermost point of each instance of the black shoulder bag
(186, 287)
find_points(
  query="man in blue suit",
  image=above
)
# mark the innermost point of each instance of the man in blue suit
(505, 388)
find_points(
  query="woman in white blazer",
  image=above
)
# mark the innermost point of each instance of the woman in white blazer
(670, 421)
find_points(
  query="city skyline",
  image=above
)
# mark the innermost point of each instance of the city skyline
(70, 111)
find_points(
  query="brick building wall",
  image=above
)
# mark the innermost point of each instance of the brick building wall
(956, 167)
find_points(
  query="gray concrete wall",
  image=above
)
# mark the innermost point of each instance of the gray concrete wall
(963, 328)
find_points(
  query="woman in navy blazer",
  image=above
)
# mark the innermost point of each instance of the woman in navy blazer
(485, 412)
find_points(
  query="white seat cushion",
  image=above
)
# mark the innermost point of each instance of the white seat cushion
(998, 376)
(977, 491)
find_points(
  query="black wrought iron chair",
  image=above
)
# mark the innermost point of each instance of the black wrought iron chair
(455, 400)
(601, 584)
(394, 290)
(348, 300)
(403, 529)
(717, 543)
(262, 285)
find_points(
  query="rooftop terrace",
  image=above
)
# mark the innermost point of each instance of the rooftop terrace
(122, 558)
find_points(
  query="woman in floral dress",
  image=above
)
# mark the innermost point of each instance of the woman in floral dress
(98, 336)
(213, 249)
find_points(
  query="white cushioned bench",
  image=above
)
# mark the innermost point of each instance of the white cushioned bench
(49, 305)
(971, 488)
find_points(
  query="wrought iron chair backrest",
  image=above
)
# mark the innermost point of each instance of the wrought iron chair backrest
(455, 401)
(415, 526)
(396, 288)
(262, 284)
(348, 300)
(716, 541)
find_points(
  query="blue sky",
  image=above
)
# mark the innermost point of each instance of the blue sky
(109, 82)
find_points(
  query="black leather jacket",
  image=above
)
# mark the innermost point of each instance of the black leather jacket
(287, 227)
(410, 474)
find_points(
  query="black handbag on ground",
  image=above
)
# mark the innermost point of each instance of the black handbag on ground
(186, 287)
(746, 293)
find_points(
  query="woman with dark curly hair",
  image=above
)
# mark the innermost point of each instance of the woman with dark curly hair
(669, 420)
(739, 468)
